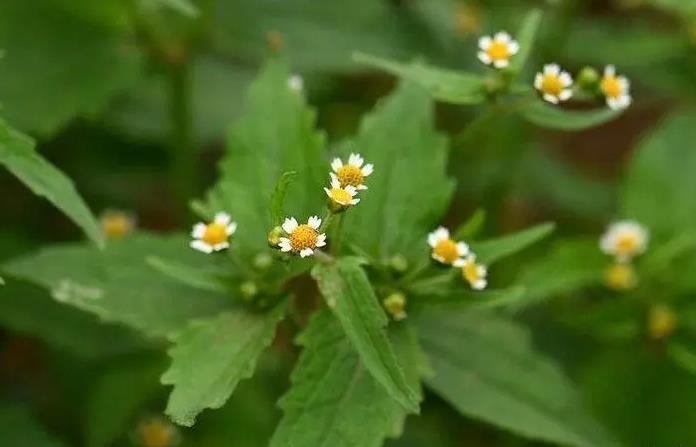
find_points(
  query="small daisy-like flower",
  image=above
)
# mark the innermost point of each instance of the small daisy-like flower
(341, 197)
(351, 174)
(554, 84)
(296, 83)
(215, 235)
(446, 250)
(156, 431)
(497, 50)
(615, 89)
(620, 276)
(624, 240)
(474, 273)
(116, 224)
(302, 239)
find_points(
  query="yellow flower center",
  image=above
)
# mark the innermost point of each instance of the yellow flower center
(156, 434)
(447, 250)
(552, 84)
(116, 225)
(340, 196)
(626, 243)
(620, 277)
(303, 237)
(470, 272)
(498, 51)
(215, 233)
(661, 322)
(350, 175)
(611, 86)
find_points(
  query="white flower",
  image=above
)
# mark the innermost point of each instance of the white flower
(302, 239)
(615, 89)
(351, 174)
(497, 50)
(296, 83)
(474, 273)
(554, 84)
(624, 240)
(213, 236)
(342, 196)
(445, 250)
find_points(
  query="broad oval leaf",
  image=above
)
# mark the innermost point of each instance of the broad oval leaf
(487, 368)
(118, 285)
(555, 117)
(658, 190)
(444, 85)
(333, 400)
(349, 294)
(18, 155)
(211, 356)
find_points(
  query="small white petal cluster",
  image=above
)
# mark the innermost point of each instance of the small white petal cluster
(302, 239)
(616, 89)
(554, 84)
(214, 236)
(445, 250)
(624, 240)
(497, 50)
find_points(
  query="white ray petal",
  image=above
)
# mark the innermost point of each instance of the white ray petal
(198, 230)
(201, 246)
(336, 164)
(306, 252)
(290, 225)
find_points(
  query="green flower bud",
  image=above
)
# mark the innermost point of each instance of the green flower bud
(248, 289)
(399, 263)
(274, 237)
(588, 78)
(262, 261)
(395, 305)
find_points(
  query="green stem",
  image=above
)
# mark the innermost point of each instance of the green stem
(336, 234)
(183, 162)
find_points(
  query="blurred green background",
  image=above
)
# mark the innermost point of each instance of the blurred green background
(132, 99)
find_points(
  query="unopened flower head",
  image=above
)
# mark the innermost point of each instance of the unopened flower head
(497, 50)
(213, 236)
(554, 84)
(156, 431)
(662, 321)
(351, 174)
(395, 305)
(475, 274)
(116, 224)
(615, 89)
(624, 240)
(341, 196)
(296, 83)
(445, 249)
(302, 239)
(620, 276)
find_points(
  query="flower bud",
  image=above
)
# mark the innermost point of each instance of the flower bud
(399, 263)
(262, 261)
(274, 237)
(395, 305)
(620, 277)
(588, 78)
(248, 289)
(661, 321)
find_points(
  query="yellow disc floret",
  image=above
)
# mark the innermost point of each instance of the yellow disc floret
(627, 243)
(350, 175)
(552, 85)
(214, 234)
(470, 272)
(446, 249)
(340, 196)
(498, 50)
(303, 237)
(611, 86)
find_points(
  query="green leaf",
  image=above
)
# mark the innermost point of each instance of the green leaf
(472, 226)
(658, 187)
(83, 65)
(683, 355)
(409, 190)
(444, 85)
(555, 117)
(487, 368)
(117, 284)
(18, 155)
(570, 264)
(278, 196)
(525, 36)
(493, 250)
(275, 135)
(211, 356)
(185, 7)
(333, 400)
(193, 276)
(349, 295)
(461, 297)
(29, 310)
(18, 428)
